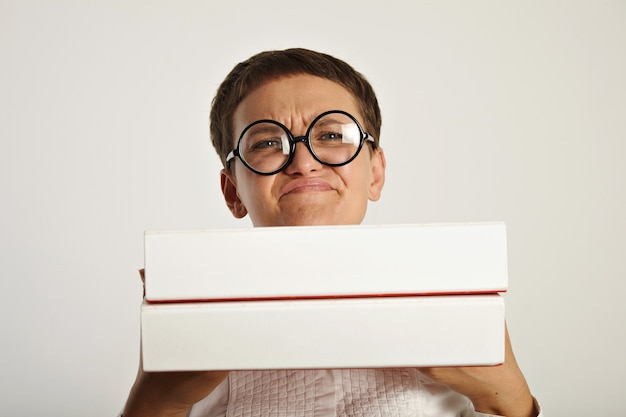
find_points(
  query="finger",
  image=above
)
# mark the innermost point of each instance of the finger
(142, 274)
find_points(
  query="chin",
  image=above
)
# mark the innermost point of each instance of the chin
(319, 219)
(311, 214)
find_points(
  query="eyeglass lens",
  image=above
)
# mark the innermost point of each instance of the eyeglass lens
(334, 139)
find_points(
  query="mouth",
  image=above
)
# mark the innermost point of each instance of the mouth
(309, 185)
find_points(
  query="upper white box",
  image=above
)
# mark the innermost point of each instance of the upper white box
(325, 261)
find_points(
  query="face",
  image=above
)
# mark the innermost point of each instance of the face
(306, 192)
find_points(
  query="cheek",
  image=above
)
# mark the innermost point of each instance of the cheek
(255, 188)
(357, 174)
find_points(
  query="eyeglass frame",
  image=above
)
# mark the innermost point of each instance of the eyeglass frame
(306, 139)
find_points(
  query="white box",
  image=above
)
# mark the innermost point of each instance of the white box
(325, 261)
(324, 333)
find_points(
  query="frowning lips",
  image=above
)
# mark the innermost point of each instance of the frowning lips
(305, 185)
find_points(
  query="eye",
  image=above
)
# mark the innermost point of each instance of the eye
(330, 136)
(266, 145)
(334, 130)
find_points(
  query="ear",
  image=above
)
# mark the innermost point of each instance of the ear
(228, 183)
(377, 179)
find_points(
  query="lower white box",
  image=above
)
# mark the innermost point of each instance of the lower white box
(324, 333)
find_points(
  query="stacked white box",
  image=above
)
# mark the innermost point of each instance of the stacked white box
(324, 333)
(283, 262)
(324, 297)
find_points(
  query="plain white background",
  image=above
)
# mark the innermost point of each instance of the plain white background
(493, 110)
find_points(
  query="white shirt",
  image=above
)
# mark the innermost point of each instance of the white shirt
(401, 392)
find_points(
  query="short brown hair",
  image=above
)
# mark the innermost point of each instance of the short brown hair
(271, 65)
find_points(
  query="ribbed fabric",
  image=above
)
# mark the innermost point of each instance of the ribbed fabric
(402, 392)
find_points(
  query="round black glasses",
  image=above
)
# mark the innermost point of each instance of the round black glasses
(266, 147)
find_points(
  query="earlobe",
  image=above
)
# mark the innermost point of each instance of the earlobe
(378, 165)
(229, 189)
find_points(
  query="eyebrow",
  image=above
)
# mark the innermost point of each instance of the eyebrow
(325, 121)
(264, 128)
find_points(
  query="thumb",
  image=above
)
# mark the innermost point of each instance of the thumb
(142, 274)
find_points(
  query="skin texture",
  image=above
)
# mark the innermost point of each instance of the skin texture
(306, 192)
(309, 193)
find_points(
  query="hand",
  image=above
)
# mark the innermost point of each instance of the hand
(500, 390)
(169, 393)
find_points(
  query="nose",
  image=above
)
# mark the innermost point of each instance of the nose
(303, 161)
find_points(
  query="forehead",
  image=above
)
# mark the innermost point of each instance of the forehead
(294, 101)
